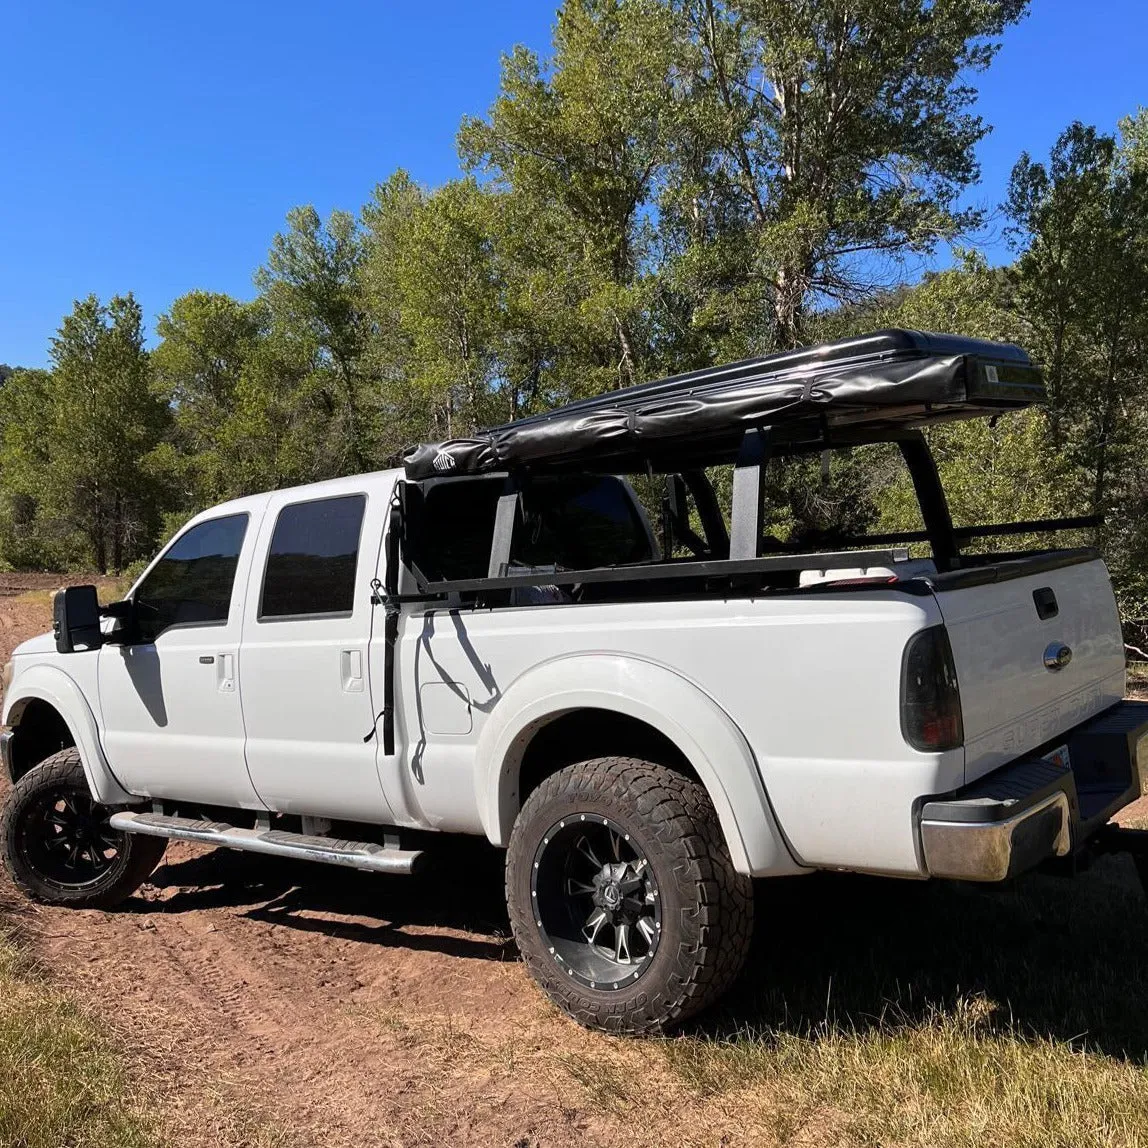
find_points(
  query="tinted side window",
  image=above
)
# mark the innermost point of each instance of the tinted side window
(312, 560)
(192, 582)
(579, 523)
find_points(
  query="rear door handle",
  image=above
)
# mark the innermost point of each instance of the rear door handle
(351, 670)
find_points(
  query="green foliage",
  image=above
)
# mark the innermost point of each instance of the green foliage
(1080, 286)
(833, 139)
(78, 467)
(206, 343)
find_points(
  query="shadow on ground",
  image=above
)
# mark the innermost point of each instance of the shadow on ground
(1060, 958)
(462, 892)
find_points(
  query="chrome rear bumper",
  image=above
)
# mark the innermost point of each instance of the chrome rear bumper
(996, 850)
(1032, 810)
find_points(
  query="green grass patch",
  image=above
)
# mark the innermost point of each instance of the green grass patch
(61, 1080)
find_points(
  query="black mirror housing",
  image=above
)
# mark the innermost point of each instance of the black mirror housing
(76, 619)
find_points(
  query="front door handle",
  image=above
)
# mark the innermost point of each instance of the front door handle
(225, 673)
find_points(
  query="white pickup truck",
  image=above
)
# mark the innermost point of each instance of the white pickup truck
(494, 640)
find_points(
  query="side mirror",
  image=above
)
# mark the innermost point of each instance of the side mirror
(76, 619)
(125, 632)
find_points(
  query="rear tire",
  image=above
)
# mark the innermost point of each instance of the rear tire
(58, 847)
(623, 899)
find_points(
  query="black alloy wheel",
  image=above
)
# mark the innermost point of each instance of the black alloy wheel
(597, 901)
(66, 837)
(58, 845)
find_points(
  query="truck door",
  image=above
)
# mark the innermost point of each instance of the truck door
(307, 623)
(172, 721)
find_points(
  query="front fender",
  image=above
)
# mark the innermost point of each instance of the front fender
(50, 684)
(661, 698)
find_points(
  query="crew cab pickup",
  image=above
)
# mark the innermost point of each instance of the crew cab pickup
(494, 639)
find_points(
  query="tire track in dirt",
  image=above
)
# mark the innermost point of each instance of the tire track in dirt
(344, 1026)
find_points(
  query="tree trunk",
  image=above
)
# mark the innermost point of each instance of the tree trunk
(626, 369)
(98, 533)
(790, 288)
(118, 534)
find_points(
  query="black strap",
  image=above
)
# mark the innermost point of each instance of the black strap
(391, 622)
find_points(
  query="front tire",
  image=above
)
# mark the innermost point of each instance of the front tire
(623, 899)
(58, 847)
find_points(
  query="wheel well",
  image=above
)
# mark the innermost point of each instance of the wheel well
(40, 733)
(579, 735)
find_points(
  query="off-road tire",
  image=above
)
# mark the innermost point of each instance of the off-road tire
(135, 858)
(706, 909)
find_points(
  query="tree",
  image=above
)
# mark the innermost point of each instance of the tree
(833, 139)
(318, 328)
(105, 422)
(446, 294)
(31, 535)
(579, 145)
(207, 341)
(1080, 284)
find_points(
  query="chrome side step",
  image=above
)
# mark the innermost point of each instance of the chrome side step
(277, 842)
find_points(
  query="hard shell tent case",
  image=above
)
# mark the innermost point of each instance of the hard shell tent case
(883, 387)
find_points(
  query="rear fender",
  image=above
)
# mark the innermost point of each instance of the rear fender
(50, 684)
(663, 699)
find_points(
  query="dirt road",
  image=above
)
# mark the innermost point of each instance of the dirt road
(278, 1002)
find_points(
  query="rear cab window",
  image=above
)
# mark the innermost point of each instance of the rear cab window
(564, 523)
(579, 524)
(312, 559)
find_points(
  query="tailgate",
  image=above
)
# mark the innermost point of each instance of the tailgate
(1006, 623)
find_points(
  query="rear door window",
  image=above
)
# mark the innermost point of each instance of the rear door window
(313, 558)
(191, 585)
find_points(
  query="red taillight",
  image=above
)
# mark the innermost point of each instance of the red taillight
(930, 698)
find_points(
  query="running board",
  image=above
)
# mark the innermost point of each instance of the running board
(277, 842)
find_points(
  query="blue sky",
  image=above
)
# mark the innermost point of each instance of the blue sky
(157, 147)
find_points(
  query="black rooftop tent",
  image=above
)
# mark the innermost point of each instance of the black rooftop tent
(858, 389)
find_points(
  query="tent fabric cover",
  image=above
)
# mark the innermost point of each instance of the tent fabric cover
(887, 381)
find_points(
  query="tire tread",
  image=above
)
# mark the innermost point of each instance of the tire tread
(677, 813)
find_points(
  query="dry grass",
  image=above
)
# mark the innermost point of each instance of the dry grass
(956, 1077)
(940, 1015)
(61, 1080)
